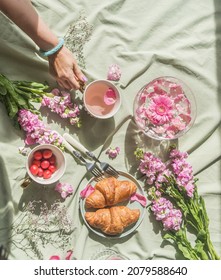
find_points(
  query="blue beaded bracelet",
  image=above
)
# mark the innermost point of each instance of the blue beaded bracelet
(54, 50)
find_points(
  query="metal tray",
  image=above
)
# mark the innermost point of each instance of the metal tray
(129, 204)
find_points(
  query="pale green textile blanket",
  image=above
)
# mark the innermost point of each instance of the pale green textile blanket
(147, 39)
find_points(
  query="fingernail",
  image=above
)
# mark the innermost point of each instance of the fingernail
(84, 78)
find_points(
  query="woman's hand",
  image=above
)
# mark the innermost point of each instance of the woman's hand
(62, 64)
(64, 68)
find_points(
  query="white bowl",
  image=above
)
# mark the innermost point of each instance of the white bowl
(94, 99)
(60, 164)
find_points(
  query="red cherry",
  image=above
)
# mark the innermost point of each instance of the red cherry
(37, 155)
(34, 169)
(36, 162)
(40, 172)
(52, 168)
(45, 164)
(47, 174)
(52, 160)
(47, 154)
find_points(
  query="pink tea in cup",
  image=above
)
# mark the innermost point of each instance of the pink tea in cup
(101, 99)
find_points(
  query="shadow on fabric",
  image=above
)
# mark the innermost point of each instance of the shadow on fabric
(217, 15)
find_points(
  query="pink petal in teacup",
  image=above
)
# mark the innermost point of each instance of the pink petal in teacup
(110, 97)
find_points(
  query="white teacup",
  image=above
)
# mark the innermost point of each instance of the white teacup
(94, 99)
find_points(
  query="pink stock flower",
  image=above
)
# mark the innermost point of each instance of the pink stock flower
(62, 105)
(113, 152)
(161, 208)
(151, 166)
(174, 153)
(114, 72)
(164, 211)
(29, 121)
(183, 171)
(173, 220)
(157, 172)
(64, 189)
(36, 131)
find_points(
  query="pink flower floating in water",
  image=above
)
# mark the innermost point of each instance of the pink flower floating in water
(64, 189)
(110, 97)
(160, 110)
(163, 109)
(114, 72)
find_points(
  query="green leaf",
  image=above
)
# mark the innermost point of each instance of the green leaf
(3, 90)
(205, 216)
(11, 107)
(199, 248)
(185, 251)
(169, 235)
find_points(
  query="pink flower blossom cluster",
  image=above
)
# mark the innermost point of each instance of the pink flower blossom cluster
(163, 110)
(157, 174)
(154, 169)
(183, 171)
(165, 212)
(36, 131)
(62, 105)
(114, 72)
(113, 152)
(64, 189)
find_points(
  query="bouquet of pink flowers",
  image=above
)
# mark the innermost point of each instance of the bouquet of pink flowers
(61, 104)
(176, 203)
(36, 131)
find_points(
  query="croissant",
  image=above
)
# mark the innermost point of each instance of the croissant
(112, 220)
(109, 192)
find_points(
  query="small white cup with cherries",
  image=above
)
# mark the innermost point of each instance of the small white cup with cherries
(45, 164)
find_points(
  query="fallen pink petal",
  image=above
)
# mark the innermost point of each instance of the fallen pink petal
(86, 191)
(139, 198)
(69, 255)
(55, 258)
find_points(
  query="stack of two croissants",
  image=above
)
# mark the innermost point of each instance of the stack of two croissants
(108, 192)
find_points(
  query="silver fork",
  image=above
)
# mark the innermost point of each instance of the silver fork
(106, 167)
(90, 166)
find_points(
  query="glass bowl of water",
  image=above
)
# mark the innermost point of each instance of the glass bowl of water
(165, 108)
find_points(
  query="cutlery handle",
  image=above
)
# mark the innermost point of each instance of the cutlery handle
(78, 145)
(73, 151)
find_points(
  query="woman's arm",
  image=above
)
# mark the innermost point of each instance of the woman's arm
(62, 64)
